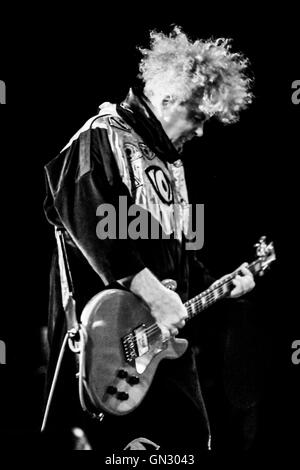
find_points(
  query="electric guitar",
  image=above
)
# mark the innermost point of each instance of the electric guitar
(124, 345)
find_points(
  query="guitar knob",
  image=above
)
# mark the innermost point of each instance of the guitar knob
(122, 396)
(133, 380)
(122, 374)
(111, 390)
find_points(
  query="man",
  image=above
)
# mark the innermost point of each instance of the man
(132, 150)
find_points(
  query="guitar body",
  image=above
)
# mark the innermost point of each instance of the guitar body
(122, 350)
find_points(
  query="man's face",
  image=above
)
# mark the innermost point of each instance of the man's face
(183, 122)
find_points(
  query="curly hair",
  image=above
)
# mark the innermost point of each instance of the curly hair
(204, 72)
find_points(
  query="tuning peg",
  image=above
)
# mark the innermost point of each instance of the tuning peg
(261, 246)
(262, 241)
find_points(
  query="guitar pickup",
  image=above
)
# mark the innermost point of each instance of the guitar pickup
(141, 339)
(136, 343)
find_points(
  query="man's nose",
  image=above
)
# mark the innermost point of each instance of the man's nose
(199, 131)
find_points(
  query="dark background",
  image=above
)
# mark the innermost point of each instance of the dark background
(58, 68)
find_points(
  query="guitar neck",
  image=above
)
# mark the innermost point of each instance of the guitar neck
(218, 291)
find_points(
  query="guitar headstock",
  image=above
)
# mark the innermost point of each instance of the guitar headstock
(265, 253)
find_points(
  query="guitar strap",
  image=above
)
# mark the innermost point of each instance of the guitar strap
(67, 288)
(75, 336)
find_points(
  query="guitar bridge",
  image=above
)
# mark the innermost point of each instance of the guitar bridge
(129, 347)
(135, 344)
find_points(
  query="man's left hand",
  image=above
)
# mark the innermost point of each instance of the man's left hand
(243, 282)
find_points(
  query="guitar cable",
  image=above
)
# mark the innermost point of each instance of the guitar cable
(54, 381)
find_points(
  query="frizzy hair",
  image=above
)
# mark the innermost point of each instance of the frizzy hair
(204, 72)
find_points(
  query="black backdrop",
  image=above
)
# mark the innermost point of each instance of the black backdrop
(57, 69)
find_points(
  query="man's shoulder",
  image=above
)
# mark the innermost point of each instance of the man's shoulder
(106, 118)
(107, 121)
(108, 115)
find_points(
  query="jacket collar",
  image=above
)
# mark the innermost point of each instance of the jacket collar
(137, 113)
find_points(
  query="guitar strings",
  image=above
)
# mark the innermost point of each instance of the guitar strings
(196, 302)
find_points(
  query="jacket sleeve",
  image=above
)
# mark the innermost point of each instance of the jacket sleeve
(83, 177)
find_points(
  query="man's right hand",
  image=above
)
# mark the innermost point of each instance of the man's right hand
(166, 306)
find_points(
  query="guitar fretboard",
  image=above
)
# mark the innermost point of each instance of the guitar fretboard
(135, 342)
(218, 291)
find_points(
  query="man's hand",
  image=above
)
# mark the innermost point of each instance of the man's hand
(243, 283)
(166, 306)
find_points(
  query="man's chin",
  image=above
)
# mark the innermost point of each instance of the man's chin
(180, 143)
(179, 147)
